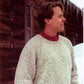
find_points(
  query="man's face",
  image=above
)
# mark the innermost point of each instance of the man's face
(57, 20)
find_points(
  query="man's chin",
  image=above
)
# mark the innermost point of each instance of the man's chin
(62, 29)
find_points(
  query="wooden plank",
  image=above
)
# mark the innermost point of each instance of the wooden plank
(8, 44)
(7, 74)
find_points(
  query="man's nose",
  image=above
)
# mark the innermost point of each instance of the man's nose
(64, 19)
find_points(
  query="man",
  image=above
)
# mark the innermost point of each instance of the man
(48, 58)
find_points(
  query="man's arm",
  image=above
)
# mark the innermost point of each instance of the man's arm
(26, 68)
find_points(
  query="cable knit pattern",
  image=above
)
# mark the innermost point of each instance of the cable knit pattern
(46, 62)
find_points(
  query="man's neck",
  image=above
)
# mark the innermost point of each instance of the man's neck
(50, 33)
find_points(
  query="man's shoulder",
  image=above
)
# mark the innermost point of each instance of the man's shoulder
(31, 43)
(65, 39)
(33, 40)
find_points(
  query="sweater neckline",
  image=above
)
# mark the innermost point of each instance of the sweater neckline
(51, 38)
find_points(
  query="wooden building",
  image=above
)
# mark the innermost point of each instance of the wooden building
(12, 37)
(18, 23)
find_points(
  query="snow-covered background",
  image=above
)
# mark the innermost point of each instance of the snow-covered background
(79, 49)
(78, 3)
(79, 59)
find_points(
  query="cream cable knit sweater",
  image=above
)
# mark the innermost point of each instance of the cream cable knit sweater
(46, 62)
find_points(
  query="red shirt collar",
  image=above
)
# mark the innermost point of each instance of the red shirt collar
(51, 38)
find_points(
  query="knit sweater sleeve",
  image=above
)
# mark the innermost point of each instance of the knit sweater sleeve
(26, 68)
(74, 75)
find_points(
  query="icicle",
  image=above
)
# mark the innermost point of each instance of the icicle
(67, 5)
(64, 2)
(82, 12)
(70, 5)
(83, 24)
(77, 11)
(73, 7)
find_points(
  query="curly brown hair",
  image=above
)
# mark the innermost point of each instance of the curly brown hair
(46, 11)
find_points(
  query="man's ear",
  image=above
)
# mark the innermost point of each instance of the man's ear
(47, 21)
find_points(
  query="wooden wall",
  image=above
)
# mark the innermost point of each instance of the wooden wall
(12, 38)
